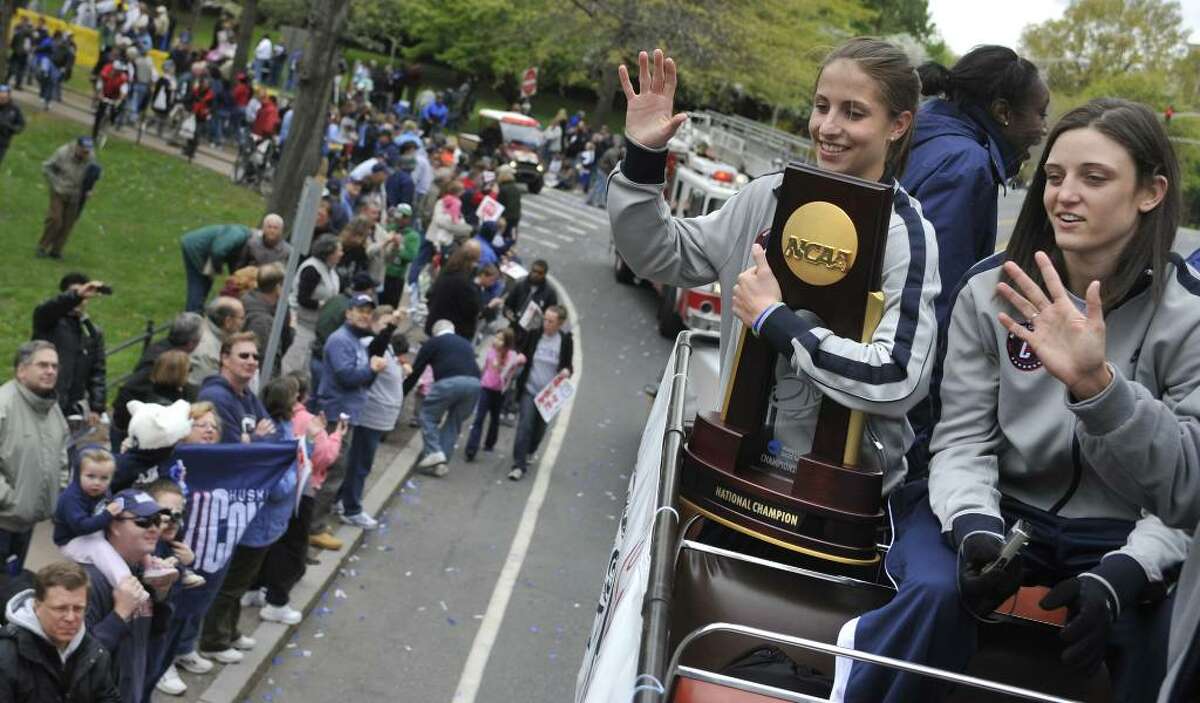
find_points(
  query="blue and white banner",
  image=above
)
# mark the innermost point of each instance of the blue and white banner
(227, 485)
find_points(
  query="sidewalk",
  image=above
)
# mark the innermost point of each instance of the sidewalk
(78, 108)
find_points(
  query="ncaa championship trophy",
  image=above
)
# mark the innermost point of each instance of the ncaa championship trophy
(826, 249)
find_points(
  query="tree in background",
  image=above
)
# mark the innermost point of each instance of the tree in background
(245, 35)
(8, 10)
(1098, 40)
(301, 154)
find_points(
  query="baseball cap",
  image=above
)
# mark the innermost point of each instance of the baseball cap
(137, 502)
(402, 210)
(86, 143)
(379, 167)
(362, 282)
(362, 300)
(4, 88)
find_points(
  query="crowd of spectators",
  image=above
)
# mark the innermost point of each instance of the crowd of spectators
(398, 251)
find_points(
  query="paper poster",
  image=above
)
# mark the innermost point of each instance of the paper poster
(531, 316)
(489, 209)
(550, 399)
(513, 270)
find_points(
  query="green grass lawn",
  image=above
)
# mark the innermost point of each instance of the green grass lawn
(128, 234)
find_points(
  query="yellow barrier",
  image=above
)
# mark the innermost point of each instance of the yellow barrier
(87, 41)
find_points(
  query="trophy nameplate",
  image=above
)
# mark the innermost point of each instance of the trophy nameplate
(826, 248)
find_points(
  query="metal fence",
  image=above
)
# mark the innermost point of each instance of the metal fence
(144, 339)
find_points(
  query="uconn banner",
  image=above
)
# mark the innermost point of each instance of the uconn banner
(227, 484)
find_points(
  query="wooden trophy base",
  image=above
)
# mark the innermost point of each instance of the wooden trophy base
(828, 511)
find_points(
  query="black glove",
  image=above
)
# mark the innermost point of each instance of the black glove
(1089, 615)
(981, 593)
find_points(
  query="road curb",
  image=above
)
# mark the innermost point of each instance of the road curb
(238, 680)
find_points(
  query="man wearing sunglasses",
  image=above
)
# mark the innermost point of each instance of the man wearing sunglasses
(243, 417)
(125, 616)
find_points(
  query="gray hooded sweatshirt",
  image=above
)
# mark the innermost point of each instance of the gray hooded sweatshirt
(19, 611)
(1007, 426)
(883, 378)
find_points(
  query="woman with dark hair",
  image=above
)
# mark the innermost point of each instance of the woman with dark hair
(1069, 359)
(972, 136)
(453, 295)
(984, 115)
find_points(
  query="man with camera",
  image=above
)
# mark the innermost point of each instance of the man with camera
(63, 321)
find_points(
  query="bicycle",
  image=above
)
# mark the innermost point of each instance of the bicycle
(255, 164)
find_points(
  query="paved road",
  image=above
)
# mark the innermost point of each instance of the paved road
(400, 622)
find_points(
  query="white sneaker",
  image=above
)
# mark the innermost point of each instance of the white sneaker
(431, 459)
(254, 598)
(193, 663)
(516, 474)
(440, 470)
(280, 613)
(245, 642)
(226, 656)
(363, 520)
(170, 683)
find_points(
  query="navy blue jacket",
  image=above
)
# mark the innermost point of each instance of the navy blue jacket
(75, 515)
(400, 188)
(347, 374)
(449, 354)
(958, 162)
(238, 413)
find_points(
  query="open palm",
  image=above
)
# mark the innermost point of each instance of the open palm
(649, 119)
(1069, 343)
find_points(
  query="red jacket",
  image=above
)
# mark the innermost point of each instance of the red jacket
(112, 82)
(202, 102)
(242, 94)
(266, 121)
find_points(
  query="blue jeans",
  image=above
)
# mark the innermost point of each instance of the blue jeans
(490, 402)
(14, 547)
(455, 398)
(362, 456)
(138, 92)
(424, 256)
(191, 605)
(599, 193)
(198, 286)
(530, 430)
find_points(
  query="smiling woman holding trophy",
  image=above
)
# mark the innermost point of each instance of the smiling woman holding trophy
(830, 275)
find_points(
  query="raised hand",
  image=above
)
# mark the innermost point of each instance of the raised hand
(1069, 343)
(649, 119)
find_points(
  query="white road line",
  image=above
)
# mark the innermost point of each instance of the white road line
(582, 212)
(577, 230)
(533, 215)
(481, 649)
(540, 242)
(563, 197)
(549, 232)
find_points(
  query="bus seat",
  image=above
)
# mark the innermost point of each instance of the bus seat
(714, 586)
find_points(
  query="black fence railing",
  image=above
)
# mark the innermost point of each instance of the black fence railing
(144, 339)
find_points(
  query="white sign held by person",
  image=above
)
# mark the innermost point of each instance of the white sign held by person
(609, 670)
(489, 209)
(550, 399)
(531, 316)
